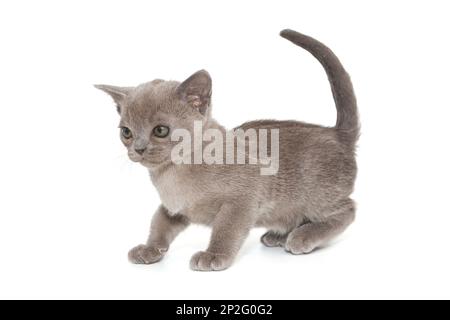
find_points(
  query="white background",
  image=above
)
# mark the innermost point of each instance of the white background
(72, 204)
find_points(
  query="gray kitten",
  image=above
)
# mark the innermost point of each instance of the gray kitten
(304, 205)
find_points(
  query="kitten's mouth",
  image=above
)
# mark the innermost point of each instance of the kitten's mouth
(147, 160)
(150, 163)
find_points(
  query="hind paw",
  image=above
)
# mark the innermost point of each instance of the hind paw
(273, 239)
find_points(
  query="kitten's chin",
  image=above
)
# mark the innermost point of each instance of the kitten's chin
(137, 160)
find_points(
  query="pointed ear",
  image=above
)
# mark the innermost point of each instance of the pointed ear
(196, 91)
(117, 93)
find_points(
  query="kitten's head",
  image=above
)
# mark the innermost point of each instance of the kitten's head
(151, 111)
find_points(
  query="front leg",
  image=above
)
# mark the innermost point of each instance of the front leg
(230, 228)
(164, 229)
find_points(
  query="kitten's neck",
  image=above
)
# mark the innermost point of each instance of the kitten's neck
(213, 124)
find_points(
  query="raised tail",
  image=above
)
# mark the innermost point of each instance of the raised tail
(341, 85)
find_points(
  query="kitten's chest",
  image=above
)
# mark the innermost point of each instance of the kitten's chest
(174, 192)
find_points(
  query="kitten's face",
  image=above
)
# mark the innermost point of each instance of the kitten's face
(152, 111)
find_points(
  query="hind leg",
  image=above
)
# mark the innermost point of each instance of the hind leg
(277, 234)
(312, 235)
(274, 239)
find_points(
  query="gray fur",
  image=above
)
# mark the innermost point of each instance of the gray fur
(303, 206)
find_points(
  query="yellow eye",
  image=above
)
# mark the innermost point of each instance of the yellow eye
(126, 133)
(161, 131)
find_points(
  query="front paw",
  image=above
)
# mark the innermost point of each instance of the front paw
(206, 261)
(146, 254)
